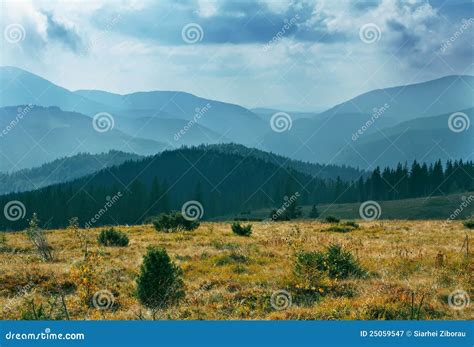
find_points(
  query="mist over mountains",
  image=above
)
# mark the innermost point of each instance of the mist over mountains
(41, 122)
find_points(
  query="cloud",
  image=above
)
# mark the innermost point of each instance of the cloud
(41, 28)
(66, 34)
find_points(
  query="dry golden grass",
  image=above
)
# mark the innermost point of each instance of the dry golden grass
(413, 266)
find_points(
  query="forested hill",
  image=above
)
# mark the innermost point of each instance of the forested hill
(223, 183)
(61, 170)
(325, 171)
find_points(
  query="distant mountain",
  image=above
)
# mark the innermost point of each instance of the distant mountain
(173, 132)
(329, 137)
(228, 120)
(267, 113)
(44, 134)
(174, 119)
(61, 170)
(20, 87)
(320, 140)
(431, 98)
(424, 139)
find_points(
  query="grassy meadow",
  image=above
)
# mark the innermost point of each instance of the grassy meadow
(411, 268)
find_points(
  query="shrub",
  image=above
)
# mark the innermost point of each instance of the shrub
(469, 224)
(339, 229)
(342, 264)
(331, 219)
(160, 283)
(344, 227)
(333, 263)
(38, 238)
(242, 230)
(352, 224)
(174, 221)
(112, 237)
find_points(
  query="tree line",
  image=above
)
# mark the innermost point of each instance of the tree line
(224, 184)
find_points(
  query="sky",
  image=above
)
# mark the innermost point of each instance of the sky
(294, 55)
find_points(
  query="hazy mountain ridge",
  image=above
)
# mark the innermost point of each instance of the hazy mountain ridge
(61, 170)
(170, 119)
(47, 133)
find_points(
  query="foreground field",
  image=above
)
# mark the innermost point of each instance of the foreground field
(412, 268)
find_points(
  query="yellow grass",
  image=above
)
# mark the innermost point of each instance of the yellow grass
(408, 261)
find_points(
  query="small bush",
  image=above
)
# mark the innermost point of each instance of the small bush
(111, 237)
(331, 219)
(469, 224)
(344, 227)
(334, 263)
(232, 258)
(339, 229)
(160, 282)
(37, 237)
(242, 230)
(342, 264)
(352, 224)
(173, 222)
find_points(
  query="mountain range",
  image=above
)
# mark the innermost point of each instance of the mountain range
(378, 128)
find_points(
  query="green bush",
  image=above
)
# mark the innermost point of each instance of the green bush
(173, 222)
(352, 224)
(331, 219)
(111, 237)
(469, 224)
(160, 282)
(339, 229)
(335, 263)
(242, 230)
